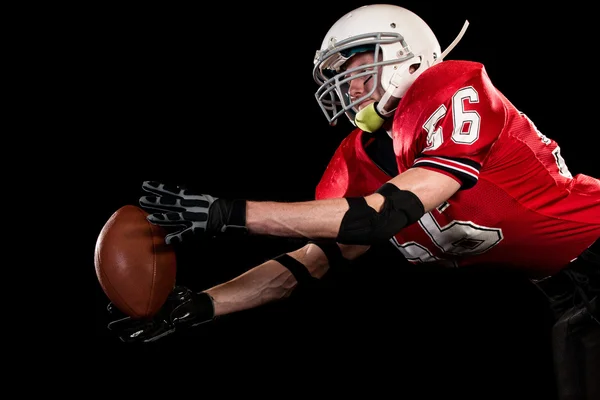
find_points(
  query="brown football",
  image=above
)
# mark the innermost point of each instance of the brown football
(134, 265)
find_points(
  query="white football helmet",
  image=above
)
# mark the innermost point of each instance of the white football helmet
(398, 37)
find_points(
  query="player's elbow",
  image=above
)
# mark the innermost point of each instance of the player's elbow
(362, 225)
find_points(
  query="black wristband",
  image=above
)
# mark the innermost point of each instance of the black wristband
(205, 306)
(227, 217)
(332, 252)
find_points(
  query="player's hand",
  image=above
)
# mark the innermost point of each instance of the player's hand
(183, 309)
(191, 213)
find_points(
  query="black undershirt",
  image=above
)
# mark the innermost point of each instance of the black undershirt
(379, 147)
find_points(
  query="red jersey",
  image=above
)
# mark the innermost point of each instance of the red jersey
(518, 205)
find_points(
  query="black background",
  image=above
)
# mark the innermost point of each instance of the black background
(221, 98)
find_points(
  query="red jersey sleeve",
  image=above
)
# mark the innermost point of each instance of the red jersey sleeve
(456, 127)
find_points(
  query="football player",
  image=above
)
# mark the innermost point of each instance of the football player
(441, 164)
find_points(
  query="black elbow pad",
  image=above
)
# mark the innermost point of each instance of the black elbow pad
(363, 225)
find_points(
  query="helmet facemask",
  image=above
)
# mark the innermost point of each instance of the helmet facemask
(390, 53)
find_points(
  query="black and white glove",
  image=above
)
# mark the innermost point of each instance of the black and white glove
(183, 309)
(193, 214)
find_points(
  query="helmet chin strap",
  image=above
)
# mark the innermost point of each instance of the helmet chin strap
(390, 99)
(372, 117)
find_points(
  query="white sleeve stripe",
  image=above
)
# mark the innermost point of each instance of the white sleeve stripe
(446, 166)
(449, 163)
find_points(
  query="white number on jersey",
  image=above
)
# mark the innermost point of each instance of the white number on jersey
(457, 238)
(466, 123)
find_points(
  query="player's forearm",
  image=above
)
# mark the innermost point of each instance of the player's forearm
(311, 219)
(260, 285)
(265, 283)
(271, 281)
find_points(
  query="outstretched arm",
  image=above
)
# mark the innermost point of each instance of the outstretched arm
(268, 282)
(352, 220)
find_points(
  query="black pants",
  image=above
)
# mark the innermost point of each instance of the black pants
(573, 295)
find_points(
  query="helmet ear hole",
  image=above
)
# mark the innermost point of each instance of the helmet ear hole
(414, 67)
